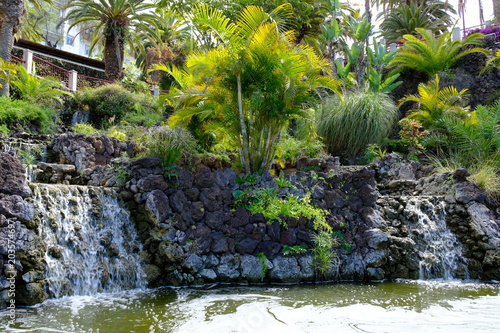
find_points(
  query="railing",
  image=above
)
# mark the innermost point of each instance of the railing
(44, 68)
(70, 79)
(16, 60)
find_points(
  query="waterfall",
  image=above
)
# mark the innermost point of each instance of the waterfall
(439, 250)
(91, 245)
(80, 117)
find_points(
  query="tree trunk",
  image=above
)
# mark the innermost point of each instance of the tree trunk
(368, 11)
(496, 11)
(245, 159)
(11, 12)
(113, 53)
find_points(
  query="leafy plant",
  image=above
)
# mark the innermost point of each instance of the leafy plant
(373, 152)
(250, 178)
(363, 118)
(86, 129)
(37, 90)
(7, 71)
(263, 264)
(274, 208)
(282, 181)
(290, 148)
(4, 130)
(121, 173)
(248, 89)
(112, 103)
(168, 143)
(406, 18)
(295, 249)
(412, 134)
(28, 116)
(431, 55)
(323, 251)
(435, 103)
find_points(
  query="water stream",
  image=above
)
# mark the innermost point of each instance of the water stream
(91, 244)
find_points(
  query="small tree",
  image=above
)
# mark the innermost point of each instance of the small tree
(248, 88)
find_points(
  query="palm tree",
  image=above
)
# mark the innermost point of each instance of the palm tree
(430, 55)
(114, 22)
(11, 12)
(406, 18)
(435, 103)
(248, 88)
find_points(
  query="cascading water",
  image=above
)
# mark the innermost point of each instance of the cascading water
(439, 250)
(91, 244)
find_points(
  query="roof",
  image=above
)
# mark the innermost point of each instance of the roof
(23, 43)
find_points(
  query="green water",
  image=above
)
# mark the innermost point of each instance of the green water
(404, 306)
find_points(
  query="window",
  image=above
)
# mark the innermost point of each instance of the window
(70, 40)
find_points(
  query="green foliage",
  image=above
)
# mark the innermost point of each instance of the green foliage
(412, 134)
(274, 208)
(250, 178)
(85, 129)
(431, 55)
(363, 118)
(436, 103)
(7, 71)
(372, 152)
(282, 181)
(168, 143)
(471, 143)
(290, 148)
(4, 130)
(121, 173)
(29, 155)
(406, 18)
(26, 116)
(323, 251)
(486, 176)
(247, 90)
(263, 264)
(110, 104)
(295, 249)
(37, 90)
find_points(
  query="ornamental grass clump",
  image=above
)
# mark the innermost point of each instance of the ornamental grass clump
(349, 126)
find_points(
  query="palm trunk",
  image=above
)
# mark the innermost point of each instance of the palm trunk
(11, 12)
(245, 156)
(113, 53)
(496, 11)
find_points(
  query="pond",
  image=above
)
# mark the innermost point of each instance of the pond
(401, 306)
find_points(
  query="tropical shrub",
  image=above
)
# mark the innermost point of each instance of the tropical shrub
(290, 148)
(248, 89)
(411, 134)
(349, 126)
(85, 129)
(27, 116)
(434, 103)
(37, 90)
(111, 103)
(471, 143)
(430, 55)
(406, 18)
(324, 254)
(168, 143)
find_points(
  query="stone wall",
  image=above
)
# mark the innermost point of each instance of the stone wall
(192, 232)
(22, 271)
